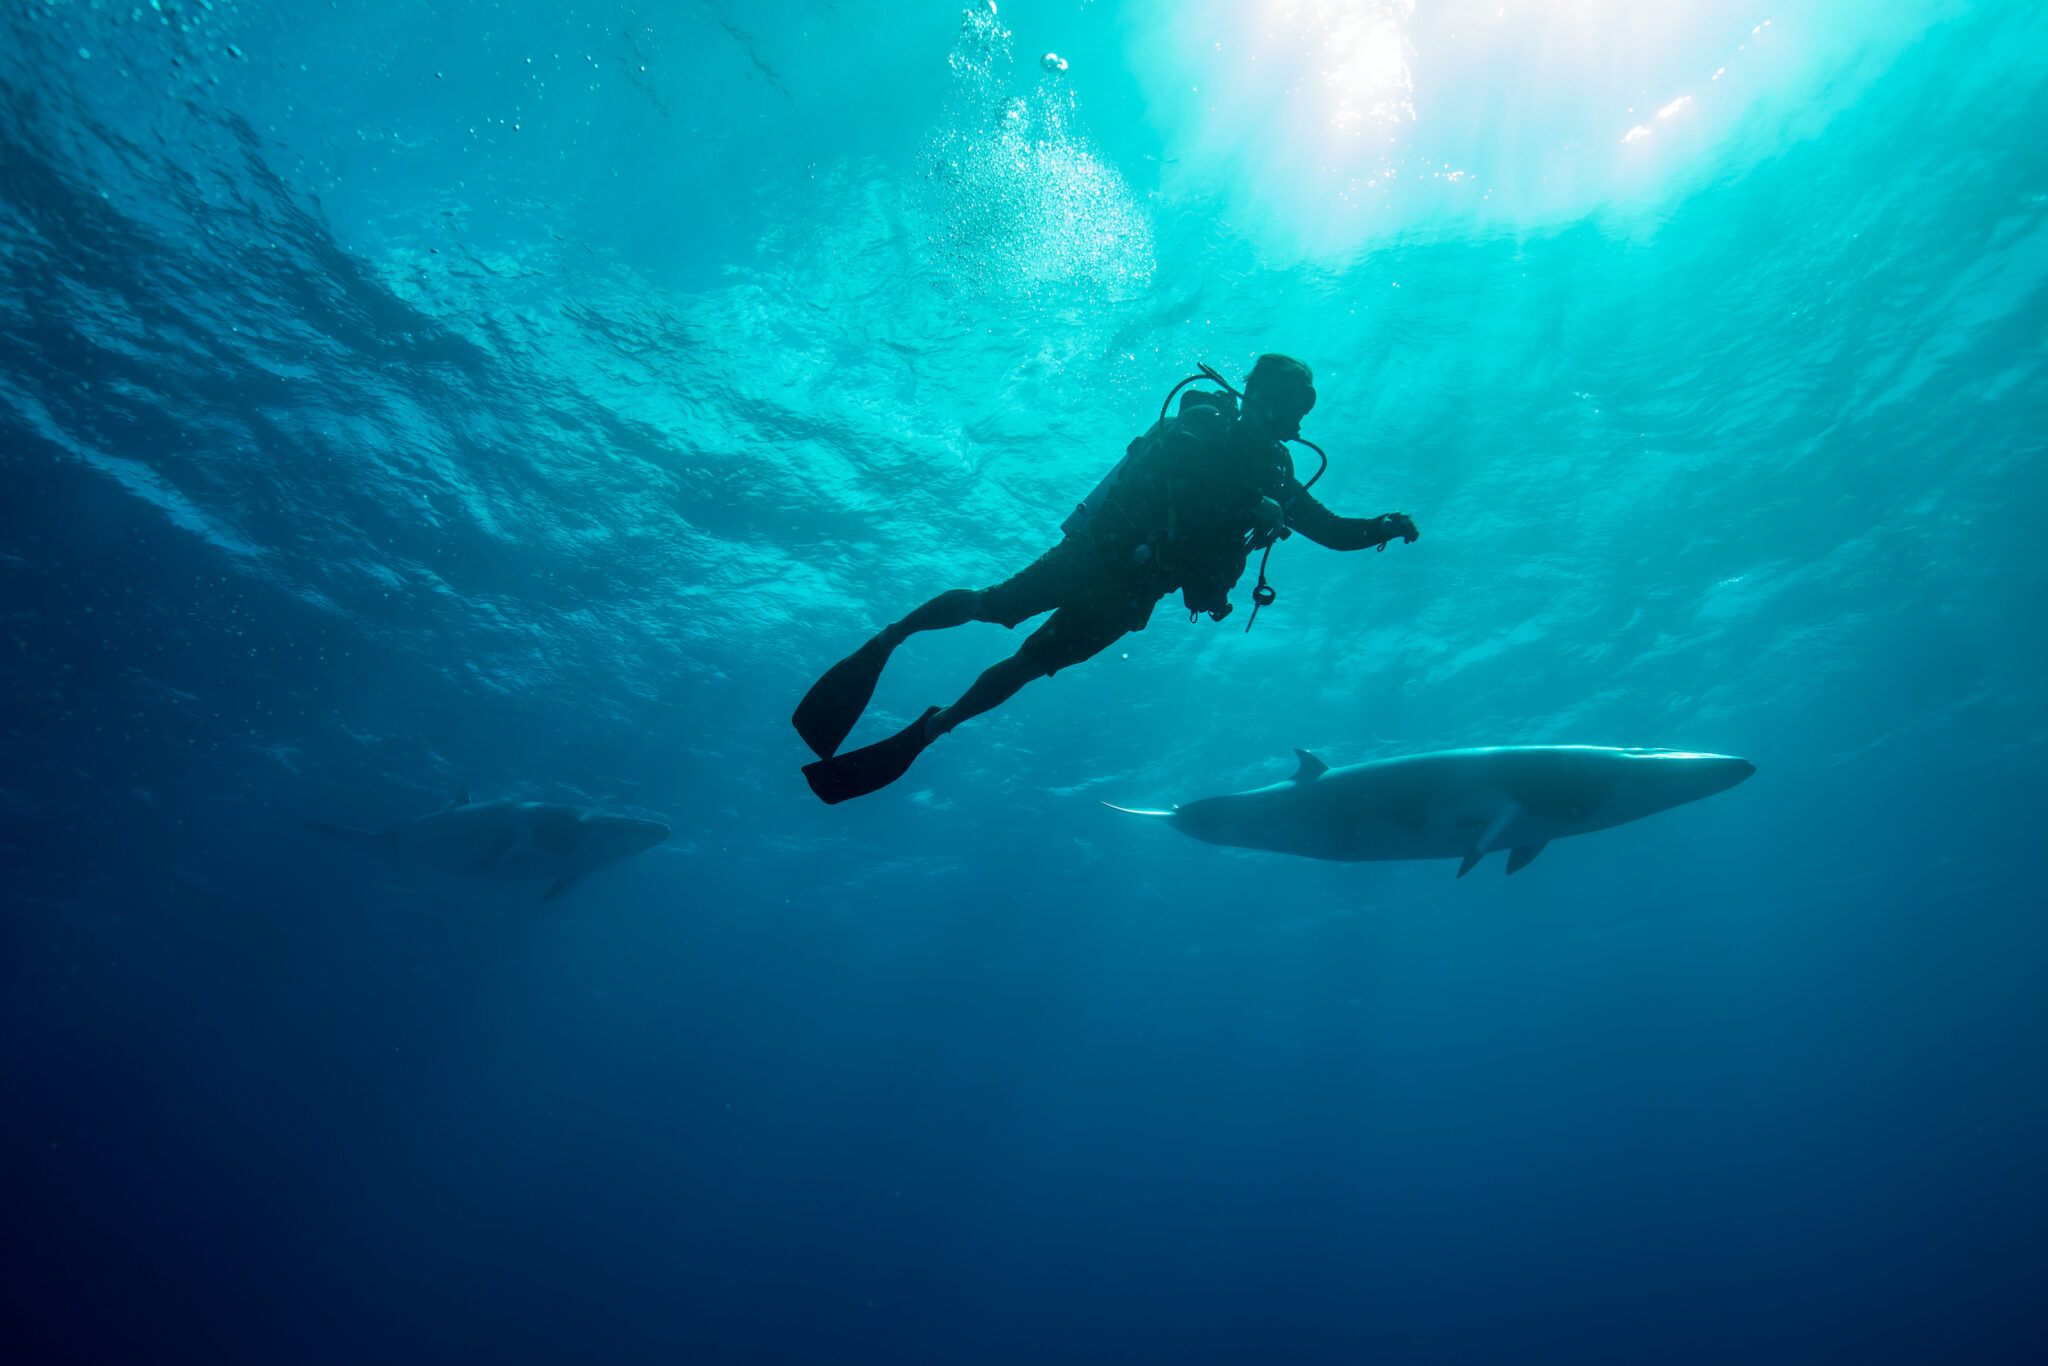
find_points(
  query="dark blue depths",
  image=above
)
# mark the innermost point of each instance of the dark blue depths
(349, 460)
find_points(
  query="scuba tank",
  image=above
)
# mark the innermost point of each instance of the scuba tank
(1100, 509)
(1086, 513)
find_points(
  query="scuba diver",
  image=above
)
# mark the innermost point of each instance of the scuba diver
(1189, 502)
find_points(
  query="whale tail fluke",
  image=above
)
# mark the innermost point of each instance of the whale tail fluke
(379, 844)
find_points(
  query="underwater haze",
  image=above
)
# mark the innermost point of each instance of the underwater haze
(399, 399)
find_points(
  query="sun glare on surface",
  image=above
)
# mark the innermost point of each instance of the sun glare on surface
(1325, 125)
(1360, 54)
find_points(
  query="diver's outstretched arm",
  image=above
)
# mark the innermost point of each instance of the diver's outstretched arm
(1326, 528)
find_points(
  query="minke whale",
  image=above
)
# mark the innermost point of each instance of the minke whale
(1458, 803)
(517, 841)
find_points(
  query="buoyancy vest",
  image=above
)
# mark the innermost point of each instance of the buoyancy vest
(1188, 502)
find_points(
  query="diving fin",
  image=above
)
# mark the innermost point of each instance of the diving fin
(861, 771)
(835, 702)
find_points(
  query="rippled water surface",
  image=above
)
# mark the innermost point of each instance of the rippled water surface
(401, 399)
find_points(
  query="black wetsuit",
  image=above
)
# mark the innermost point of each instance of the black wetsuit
(1190, 501)
(1180, 515)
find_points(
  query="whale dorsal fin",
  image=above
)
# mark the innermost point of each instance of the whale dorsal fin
(1311, 767)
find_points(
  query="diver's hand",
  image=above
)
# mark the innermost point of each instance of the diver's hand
(1394, 524)
(1269, 522)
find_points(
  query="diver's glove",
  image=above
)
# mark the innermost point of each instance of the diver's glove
(1269, 522)
(1387, 527)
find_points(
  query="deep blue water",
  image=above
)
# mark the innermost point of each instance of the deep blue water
(533, 399)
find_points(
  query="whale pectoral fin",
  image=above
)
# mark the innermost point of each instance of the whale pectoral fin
(501, 845)
(1311, 767)
(1522, 855)
(1489, 839)
(559, 886)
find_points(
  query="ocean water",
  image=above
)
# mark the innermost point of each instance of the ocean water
(401, 398)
